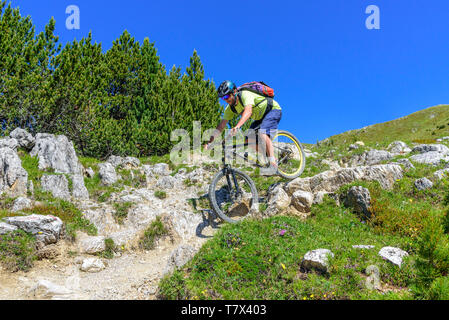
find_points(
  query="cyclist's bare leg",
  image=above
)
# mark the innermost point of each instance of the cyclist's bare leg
(267, 147)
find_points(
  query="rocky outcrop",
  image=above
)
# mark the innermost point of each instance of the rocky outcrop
(13, 177)
(9, 143)
(440, 174)
(398, 148)
(359, 199)
(370, 157)
(107, 173)
(124, 162)
(58, 185)
(331, 181)
(24, 138)
(179, 257)
(430, 154)
(57, 153)
(302, 193)
(47, 229)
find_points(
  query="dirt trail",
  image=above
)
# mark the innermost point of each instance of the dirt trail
(132, 276)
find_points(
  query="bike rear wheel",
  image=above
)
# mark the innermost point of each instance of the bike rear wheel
(289, 153)
(233, 199)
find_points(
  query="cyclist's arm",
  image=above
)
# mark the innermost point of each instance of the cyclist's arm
(218, 130)
(247, 112)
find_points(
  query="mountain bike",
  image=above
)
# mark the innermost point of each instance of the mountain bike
(233, 194)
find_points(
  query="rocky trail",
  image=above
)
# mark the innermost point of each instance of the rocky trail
(77, 270)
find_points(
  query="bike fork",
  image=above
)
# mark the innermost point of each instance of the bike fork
(228, 179)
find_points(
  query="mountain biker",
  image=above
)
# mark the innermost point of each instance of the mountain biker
(266, 114)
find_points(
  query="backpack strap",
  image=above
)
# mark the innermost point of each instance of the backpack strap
(241, 102)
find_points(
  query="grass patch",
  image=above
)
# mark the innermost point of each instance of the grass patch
(17, 251)
(121, 211)
(160, 194)
(98, 191)
(254, 260)
(153, 232)
(110, 249)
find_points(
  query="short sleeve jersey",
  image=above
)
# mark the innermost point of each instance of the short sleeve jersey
(249, 98)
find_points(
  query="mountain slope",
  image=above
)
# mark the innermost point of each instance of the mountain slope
(422, 126)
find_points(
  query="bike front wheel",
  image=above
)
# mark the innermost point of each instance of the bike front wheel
(232, 195)
(290, 154)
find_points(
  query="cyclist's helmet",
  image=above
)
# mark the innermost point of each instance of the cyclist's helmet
(226, 87)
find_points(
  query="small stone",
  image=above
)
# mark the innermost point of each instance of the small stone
(92, 265)
(423, 184)
(317, 260)
(393, 255)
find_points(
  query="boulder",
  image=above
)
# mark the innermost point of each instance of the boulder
(161, 169)
(370, 157)
(57, 153)
(23, 137)
(302, 201)
(47, 229)
(406, 163)
(89, 172)
(330, 181)
(5, 228)
(179, 257)
(278, 201)
(316, 260)
(9, 143)
(431, 157)
(398, 148)
(166, 182)
(362, 246)
(13, 177)
(424, 148)
(92, 244)
(58, 185)
(92, 265)
(423, 183)
(358, 198)
(46, 289)
(79, 190)
(107, 173)
(393, 255)
(123, 162)
(21, 203)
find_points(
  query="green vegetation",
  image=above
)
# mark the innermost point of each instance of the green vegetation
(122, 101)
(423, 126)
(154, 231)
(17, 251)
(121, 211)
(160, 194)
(110, 249)
(255, 260)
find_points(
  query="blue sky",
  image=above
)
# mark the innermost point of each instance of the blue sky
(330, 73)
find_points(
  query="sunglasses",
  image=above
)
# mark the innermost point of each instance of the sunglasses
(226, 97)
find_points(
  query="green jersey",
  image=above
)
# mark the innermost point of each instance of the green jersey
(249, 98)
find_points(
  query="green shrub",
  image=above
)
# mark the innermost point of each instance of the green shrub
(153, 232)
(439, 290)
(172, 287)
(121, 211)
(17, 250)
(160, 194)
